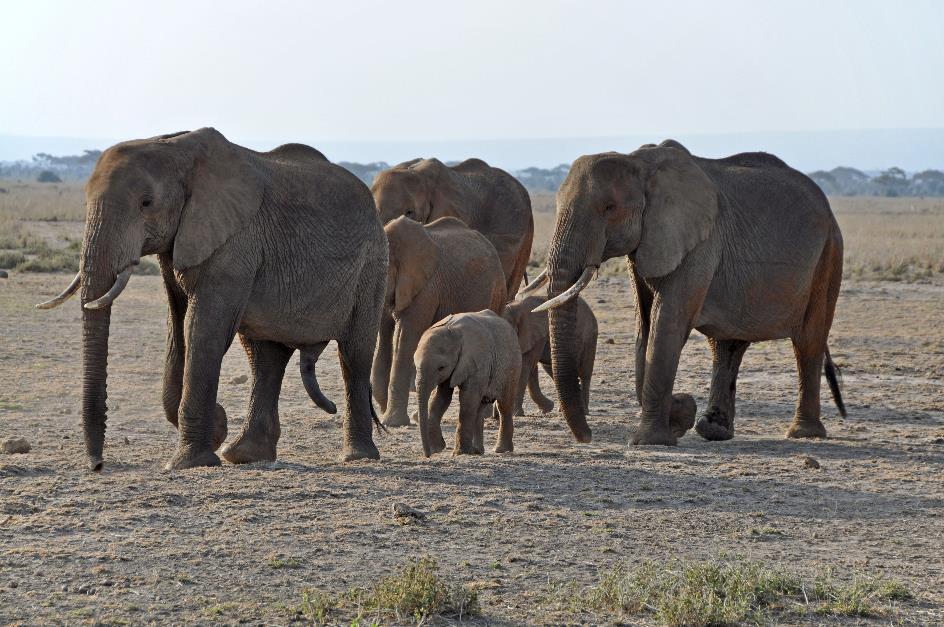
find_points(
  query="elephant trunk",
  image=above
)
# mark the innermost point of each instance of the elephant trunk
(424, 389)
(95, 328)
(562, 325)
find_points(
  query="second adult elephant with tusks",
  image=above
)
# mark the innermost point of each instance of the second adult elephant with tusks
(435, 270)
(743, 249)
(487, 199)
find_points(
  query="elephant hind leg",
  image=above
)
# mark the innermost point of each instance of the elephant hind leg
(260, 434)
(356, 353)
(809, 343)
(717, 423)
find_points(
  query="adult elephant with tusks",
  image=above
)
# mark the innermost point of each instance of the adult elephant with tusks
(742, 249)
(283, 248)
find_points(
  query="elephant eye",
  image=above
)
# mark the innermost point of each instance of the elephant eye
(409, 213)
(146, 202)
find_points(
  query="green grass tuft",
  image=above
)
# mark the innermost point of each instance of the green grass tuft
(416, 593)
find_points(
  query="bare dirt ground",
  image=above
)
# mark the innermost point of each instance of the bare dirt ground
(136, 544)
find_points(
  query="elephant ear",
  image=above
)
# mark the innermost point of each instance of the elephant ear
(225, 193)
(416, 256)
(681, 209)
(443, 189)
(465, 363)
(526, 339)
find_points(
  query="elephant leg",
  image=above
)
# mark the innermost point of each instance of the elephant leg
(478, 435)
(471, 416)
(406, 340)
(383, 360)
(717, 423)
(665, 415)
(209, 327)
(544, 404)
(506, 425)
(442, 397)
(585, 372)
(260, 434)
(356, 353)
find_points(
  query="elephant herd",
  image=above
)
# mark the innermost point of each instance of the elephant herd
(419, 281)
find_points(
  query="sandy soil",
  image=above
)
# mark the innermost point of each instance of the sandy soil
(138, 544)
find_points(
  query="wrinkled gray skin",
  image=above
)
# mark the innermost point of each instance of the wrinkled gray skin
(533, 340)
(743, 249)
(487, 199)
(477, 353)
(435, 270)
(282, 247)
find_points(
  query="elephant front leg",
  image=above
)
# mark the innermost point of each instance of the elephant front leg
(545, 405)
(665, 416)
(209, 328)
(717, 423)
(470, 430)
(260, 434)
(406, 340)
(438, 405)
(506, 425)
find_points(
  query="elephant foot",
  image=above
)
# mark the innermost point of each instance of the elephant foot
(547, 406)
(219, 427)
(504, 447)
(187, 457)
(396, 419)
(519, 411)
(682, 414)
(353, 451)
(468, 450)
(250, 447)
(437, 446)
(654, 436)
(715, 425)
(806, 429)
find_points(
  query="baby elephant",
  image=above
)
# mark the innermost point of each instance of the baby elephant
(536, 349)
(477, 353)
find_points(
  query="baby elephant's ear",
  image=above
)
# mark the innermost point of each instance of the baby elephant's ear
(465, 361)
(225, 193)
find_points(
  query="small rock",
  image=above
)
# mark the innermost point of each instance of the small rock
(64, 588)
(609, 340)
(12, 446)
(3, 274)
(238, 380)
(126, 440)
(85, 589)
(810, 462)
(14, 584)
(938, 440)
(402, 510)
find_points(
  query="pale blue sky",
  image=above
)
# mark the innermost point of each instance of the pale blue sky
(483, 69)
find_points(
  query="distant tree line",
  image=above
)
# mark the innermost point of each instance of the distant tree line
(840, 181)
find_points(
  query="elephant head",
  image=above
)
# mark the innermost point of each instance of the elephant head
(414, 258)
(439, 359)
(653, 205)
(417, 189)
(518, 314)
(182, 195)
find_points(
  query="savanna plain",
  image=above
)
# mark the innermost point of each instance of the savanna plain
(759, 529)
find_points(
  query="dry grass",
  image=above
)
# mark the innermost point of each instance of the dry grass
(891, 239)
(42, 201)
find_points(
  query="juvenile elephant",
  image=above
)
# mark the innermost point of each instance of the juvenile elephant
(743, 249)
(477, 353)
(435, 270)
(487, 199)
(532, 330)
(281, 247)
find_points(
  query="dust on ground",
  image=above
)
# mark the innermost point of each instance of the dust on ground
(236, 544)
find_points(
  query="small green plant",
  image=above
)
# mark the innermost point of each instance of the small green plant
(718, 593)
(277, 563)
(416, 592)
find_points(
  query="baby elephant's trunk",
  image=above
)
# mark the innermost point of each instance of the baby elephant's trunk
(424, 389)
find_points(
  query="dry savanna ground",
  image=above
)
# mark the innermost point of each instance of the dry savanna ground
(758, 529)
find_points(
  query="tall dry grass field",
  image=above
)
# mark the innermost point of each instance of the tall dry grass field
(897, 239)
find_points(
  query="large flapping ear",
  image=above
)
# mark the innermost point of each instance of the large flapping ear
(416, 257)
(225, 192)
(681, 208)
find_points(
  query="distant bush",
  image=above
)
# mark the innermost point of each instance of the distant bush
(48, 176)
(11, 259)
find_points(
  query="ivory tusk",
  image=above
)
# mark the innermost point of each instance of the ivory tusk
(120, 283)
(538, 281)
(574, 289)
(65, 295)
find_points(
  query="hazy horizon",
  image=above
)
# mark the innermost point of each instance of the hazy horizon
(525, 80)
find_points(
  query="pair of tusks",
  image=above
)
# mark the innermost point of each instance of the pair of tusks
(564, 297)
(120, 284)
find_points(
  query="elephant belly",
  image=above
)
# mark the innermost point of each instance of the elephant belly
(759, 308)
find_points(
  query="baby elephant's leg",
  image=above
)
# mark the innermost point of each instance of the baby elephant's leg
(442, 397)
(506, 426)
(471, 420)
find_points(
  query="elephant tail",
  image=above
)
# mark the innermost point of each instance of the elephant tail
(307, 367)
(834, 378)
(373, 414)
